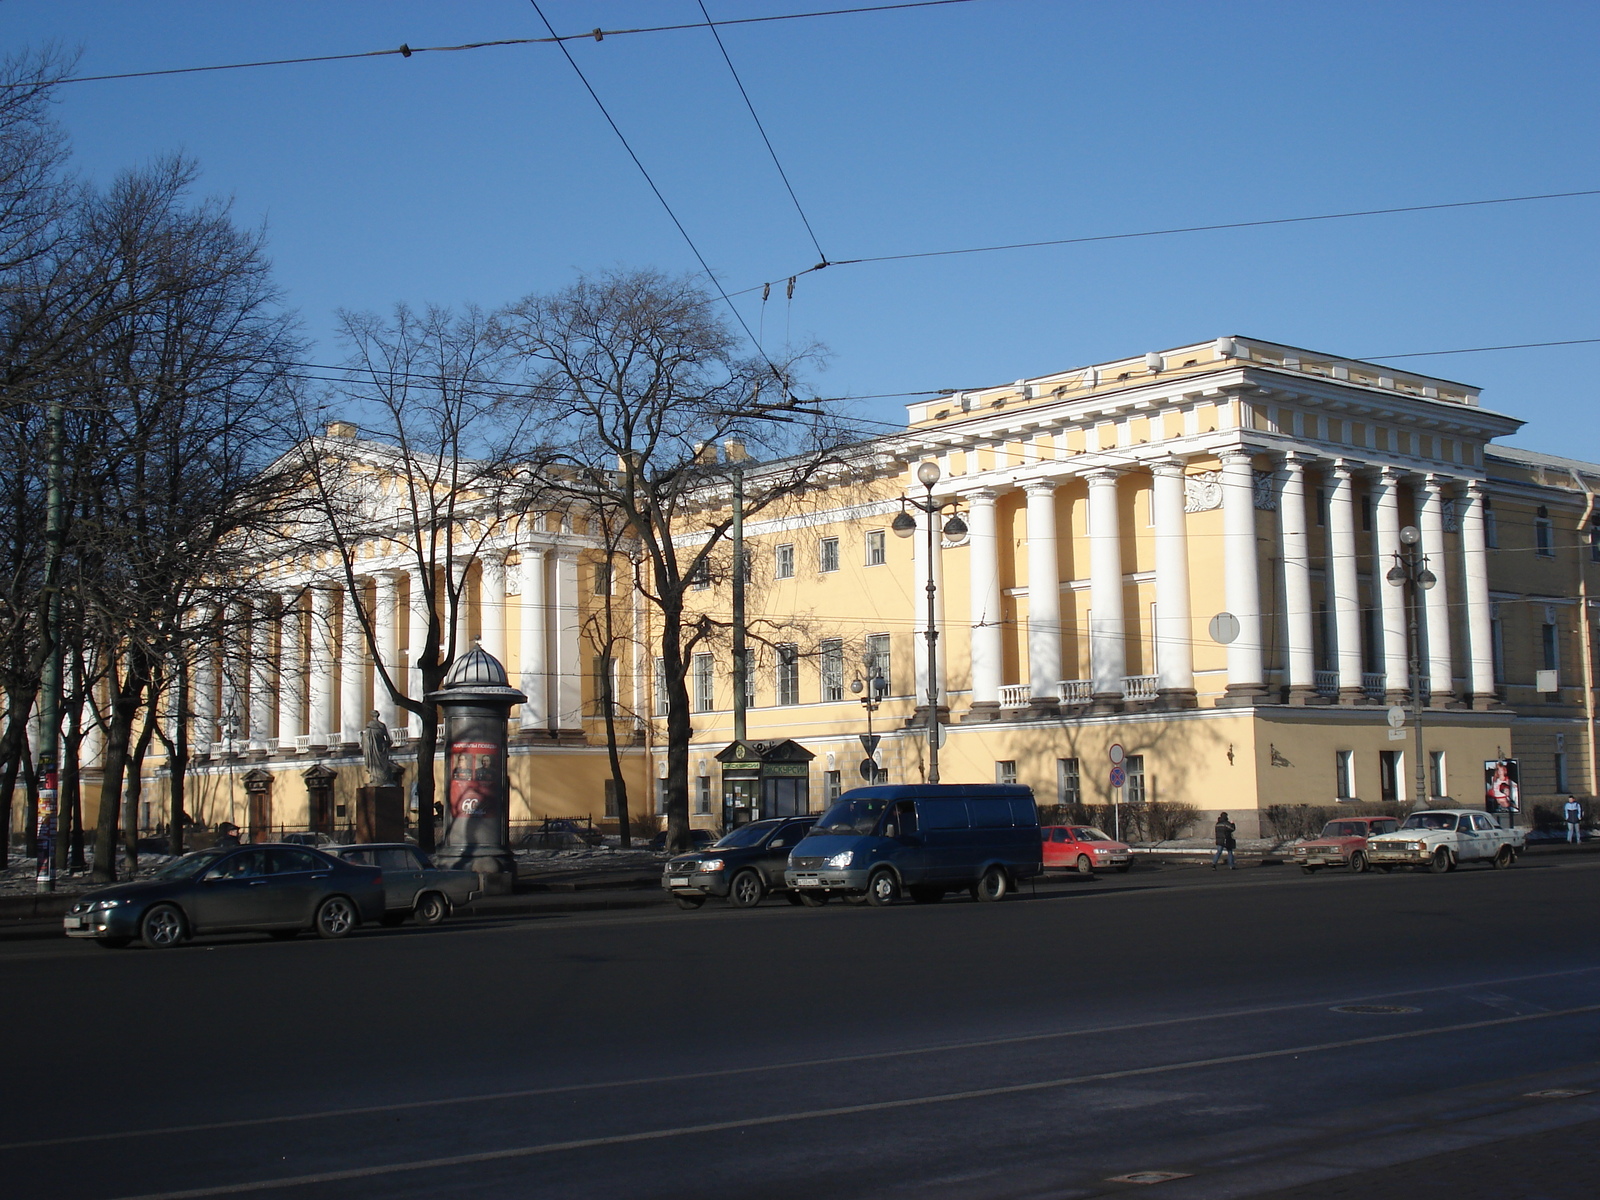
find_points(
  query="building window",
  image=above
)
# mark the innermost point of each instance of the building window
(611, 798)
(702, 795)
(876, 553)
(783, 567)
(880, 775)
(832, 786)
(1491, 530)
(602, 578)
(700, 576)
(878, 659)
(1544, 542)
(1366, 514)
(661, 797)
(831, 661)
(1068, 789)
(605, 683)
(1005, 772)
(749, 680)
(1344, 768)
(1436, 775)
(828, 555)
(1549, 647)
(1391, 775)
(658, 695)
(1561, 770)
(1134, 766)
(1322, 506)
(704, 697)
(788, 674)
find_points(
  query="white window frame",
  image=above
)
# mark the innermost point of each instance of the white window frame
(1138, 790)
(783, 561)
(1005, 770)
(1344, 770)
(830, 665)
(786, 676)
(1069, 781)
(828, 555)
(875, 548)
(702, 669)
(879, 647)
(1438, 779)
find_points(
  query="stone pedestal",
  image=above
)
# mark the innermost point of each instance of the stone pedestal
(380, 814)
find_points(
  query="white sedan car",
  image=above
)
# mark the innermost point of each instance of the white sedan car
(1440, 838)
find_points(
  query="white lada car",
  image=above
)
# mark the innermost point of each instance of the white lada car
(1439, 838)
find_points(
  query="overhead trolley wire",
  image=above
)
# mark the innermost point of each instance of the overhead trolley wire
(406, 51)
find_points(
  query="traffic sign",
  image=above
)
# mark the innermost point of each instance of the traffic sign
(1224, 628)
(1397, 735)
(869, 742)
(1116, 754)
(868, 769)
(1397, 716)
(1118, 777)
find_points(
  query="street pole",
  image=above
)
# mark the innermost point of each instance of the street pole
(50, 675)
(740, 666)
(1411, 572)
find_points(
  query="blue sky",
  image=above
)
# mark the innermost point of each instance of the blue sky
(487, 175)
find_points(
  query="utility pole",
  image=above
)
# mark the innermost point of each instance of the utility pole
(1411, 572)
(740, 665)
(50, 636)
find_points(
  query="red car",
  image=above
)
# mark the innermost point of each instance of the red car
(1342, 843)
(1083, 849)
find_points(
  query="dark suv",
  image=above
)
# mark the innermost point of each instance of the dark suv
(746, 864)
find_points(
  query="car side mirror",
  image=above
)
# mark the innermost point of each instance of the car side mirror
(211, 877)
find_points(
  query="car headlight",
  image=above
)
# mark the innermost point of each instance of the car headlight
(710, 864)
(106, 903)
(841, 860)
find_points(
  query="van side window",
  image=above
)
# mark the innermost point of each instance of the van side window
(990, 814)
(1023, 811)
(942, 814)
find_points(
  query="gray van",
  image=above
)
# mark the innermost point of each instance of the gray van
(879, 843)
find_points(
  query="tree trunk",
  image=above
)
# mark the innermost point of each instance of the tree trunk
(178, 762)
(427, 748)
(70, 796)
(30, 789)
(678, 728)
(11, 746)
(124, 708)
(619, 783)
(133, 791)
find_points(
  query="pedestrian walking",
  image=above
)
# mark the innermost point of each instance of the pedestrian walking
(1573, 812)
(1225, 842)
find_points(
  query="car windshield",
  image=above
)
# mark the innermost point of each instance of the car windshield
(1430, 820)
(851, 817)
(190, 865)
(752, 834)
(1338, 829)
(1085, 834)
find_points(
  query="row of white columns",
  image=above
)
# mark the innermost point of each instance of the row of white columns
(284, 684)
(1242, 586)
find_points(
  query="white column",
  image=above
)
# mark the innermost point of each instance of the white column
(205, 688)
(534, 667)
(1299, 645)
(235, 674)
(1242, 575)
(385, 612)
(1391, 599)
(417, 620)
(492, 603)
(1436, 600)
(1480, 631)
(919, 592)
(353, 710)
(1174, 628)
(1044, 598)
(324, 662)
(291, 683)
(1345, 586)
(569, 666)
(1108, 653)
(459, 606)
(987, 646)
(262, 701)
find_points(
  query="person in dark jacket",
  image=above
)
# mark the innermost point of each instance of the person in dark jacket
(1225, 842)
(1572, 811)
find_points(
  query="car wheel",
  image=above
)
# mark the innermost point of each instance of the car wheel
(1358, 862)
(992, 886)
(812, 899)
(431, 909)
(793, 898)
(283, 935)
(335, 918)
(112, 943)
(161, 928)
(1504, 859)
(1085, 867)
(882, 888)
(926, 895)
(746, 890)
(1440, 862)
(688, 903)
(855, 897)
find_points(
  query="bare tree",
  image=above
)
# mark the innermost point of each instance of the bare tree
(632, 375)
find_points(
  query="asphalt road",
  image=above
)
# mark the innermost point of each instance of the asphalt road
(1181, 1021)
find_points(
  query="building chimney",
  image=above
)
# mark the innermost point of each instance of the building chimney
(733, 451)
(344, 431)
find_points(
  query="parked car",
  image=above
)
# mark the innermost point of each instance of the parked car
(699, 839)
(278, 889)
(1439, 839)
(1342, 843)
(308, 839)
(412, 885)
(743, 866)
(1082, 848)
(878, 843)
(563, 833)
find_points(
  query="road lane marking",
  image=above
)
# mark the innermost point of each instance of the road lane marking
(815, 1114)
(725, 1072)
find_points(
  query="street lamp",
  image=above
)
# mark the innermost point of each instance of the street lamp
(876, 688)
(1410, 571)
(905, 525)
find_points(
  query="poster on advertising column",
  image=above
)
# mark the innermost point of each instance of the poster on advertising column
(475, 777)
(1502, 786)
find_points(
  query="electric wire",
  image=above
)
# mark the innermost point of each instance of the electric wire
(761, 129)
(407, 51)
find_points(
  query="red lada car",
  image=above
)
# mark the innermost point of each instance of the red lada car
(1342, 843)
(1083, 849)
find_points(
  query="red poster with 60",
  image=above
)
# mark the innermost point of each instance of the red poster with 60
(475, 776)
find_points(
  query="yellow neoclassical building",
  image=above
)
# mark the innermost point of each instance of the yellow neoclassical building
(1183, 553)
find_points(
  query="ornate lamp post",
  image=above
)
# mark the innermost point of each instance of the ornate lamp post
(876, 688)
(905, 525)
(1410, 571)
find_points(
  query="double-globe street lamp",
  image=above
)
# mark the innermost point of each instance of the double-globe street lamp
(905, 525)
(1410, 571)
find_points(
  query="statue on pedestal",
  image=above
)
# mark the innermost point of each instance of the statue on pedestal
(376, 748)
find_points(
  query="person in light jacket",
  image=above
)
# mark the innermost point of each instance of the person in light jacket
(1573, 812)
(1225, 842)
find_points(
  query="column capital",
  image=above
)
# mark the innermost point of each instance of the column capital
(493, 554)
(1300, 459)
(1171, 465)
(1040, 487)
(1476, 487)
(1348, 468)
(1102, 475)
(1237, 454)
(985, 496)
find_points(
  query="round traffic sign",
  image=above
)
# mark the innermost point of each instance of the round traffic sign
(1224, 628)
(868, 769)
(1116, 753)
(1118, 777)
(1397, 716)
